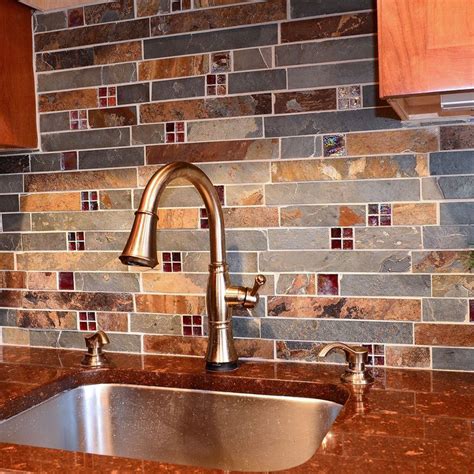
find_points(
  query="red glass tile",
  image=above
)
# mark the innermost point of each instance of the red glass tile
(83, 326)
(176, 256)
(187, 331)
(166, 256)
(385, 209)
(347, 245)
(81, 246)
(180, 137)
(221, 90)
(72, 246)
(328, 284)
(373, 208)
(203, 213)
(102, 91)
(170, 138)
(336, 244)
(335, 232)
(385, 220)
(180, 126)
(211, 90)
(82, 316)
(94, 195)
(91, 316)
(197, 319)
(80, 236)
(378, 349)
(204, 224)
(82, 114)
(92, 327)
(167, 268)
(197, 331)
(346, 232)
(471, 311)
(176, 267)
(369, 347)
(211, 79)
(187, 320)
(170, 127)
(85, 206)
(71, 236)
(74, 114)
(221, 79)
(379, 361)
(66, 281)
(103, 102)
(112, 102)
(112, 91)
(74, 125)
(373, 220)
(68, 161)
(94, 206)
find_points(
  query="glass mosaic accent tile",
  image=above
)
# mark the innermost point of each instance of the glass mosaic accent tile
(89, 200)
(203, 220)
(334, 145)
(87, 321)
(180, 5)
(471, 311)
(342, 238)
(376, 354)
(75, 17)
(66, 280)
(75, 241)
(216, 84)
(349, 98)
(192, 325)
(221, 62)
(78, 120)
(175, 132)
(68, 161)
(171, 262)
(107, 96)
(328, 284)
(379, 214)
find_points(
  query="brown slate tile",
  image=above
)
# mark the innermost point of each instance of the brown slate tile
(13, 280)
(200, 20)
(256, 104)
(294, 102)
(118, 52)
(152, 7)
(112, 117)
(457, 137)
(443, 261)
(314, 216)
(328, 27)
(237, 217)
(115, 322)
(42, 280)
(174, 282)
(47, 319)
(406, 356)
(244, 195)
(105, 12)
(213, 151)
(415, 214)
(453, 285)
(50, 202)
(170, 304)
(10, 298)
(459, 335)
(173, 67)
(178, 218)
(77, 99)
(7, 261)
(177, 345)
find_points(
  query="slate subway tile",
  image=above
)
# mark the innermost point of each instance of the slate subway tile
(7, 261)
(86, 140)
(9, 241)
(47, 319)
(179, 283)
(461, 286)
(325, 75)
(213, 151)
(328, 27)
(296, 284)
(301, 147)
(7, 317)
(170, 304)
(193, 109)
(376, 167)
(113, 322)
(235, 15)
(16, 222)
(225, 129)
(330, 122)
(448, 187)
(111, 158)
(257, 81)
(77, 99)
(148, 134)
(49, 21)
(168, 68)
(344, 308)
(9, 202)
(106, 240)
(46, 162)
(107, 282)
(414, 214)
(448, 237)
(457, 137)
(346, 192)
(69, 181)
(133, 93)
(349, 331)
(16, 336)
(254, 58)
(385, 285)
(325, 216)
(304, 8)
(178, 218)
(112, 117)
(69, 261)
(239, 262)
(454, 162)
(450, 358)
(292, 239)
(14, 164)
(407, 356)
(388, 238)
(150, 323)
(88, 35)
(460, 335)
(178, 88)
(445, 309)
(183, 196)
(44, 241)
(115, 11)
(307, 101)
(195, 43)
(453, 213)
(11, 183)
(371, 96)
(335, 261)
(54, 122)
(246, 327)
(115, 199)
(363, 47)
(11, 279)
(42, 280)
(442, 261)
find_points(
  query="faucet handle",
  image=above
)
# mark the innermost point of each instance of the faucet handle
(357, 357)
(251, 296)
(260, 280)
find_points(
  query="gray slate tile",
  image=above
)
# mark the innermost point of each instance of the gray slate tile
(305, 8)
(257, 81)
(450, 358)
(133, 94)
(457, 212)
(54, 122)
(114, 282)
(44, 241)
(445, 309)
(112, 158)
(292, 239)
(454, 162)
(9, 242)
(9, 202)
(178, 88)
(448, 187)
(11, 183)
(255, 58)
(448, 236)
(301, 147)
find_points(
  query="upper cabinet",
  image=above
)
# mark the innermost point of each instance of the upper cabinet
(45, 5)
(426, 57)
(17, 84)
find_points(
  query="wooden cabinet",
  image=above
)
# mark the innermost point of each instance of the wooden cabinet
(426, 49)
(17, 84)
(45, 5)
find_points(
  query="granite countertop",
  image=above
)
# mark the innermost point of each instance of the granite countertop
(407, 421)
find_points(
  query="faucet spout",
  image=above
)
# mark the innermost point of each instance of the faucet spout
(221, 295)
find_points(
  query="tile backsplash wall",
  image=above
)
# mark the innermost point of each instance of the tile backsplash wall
(361, 224)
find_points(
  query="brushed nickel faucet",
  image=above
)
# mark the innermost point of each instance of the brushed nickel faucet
(221, 294)
(95, 357)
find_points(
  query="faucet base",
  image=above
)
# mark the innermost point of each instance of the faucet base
(223, 367)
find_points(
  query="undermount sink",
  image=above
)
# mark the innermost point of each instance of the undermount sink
(219, 430)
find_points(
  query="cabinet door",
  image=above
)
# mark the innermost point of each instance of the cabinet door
(17, 85)
(425, 46)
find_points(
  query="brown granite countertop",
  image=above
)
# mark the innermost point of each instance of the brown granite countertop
(408, 421)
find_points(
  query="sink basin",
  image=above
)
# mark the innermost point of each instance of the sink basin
(219, 430)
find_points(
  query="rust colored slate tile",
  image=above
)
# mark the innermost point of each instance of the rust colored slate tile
(235, 150)
(170, 304)
(235, 217)
(256, 104)
(453, 285)
(345, 308)
(294, 102)
(78, 301)
(106, 33)
(174, 67)
(244, 195)
(176, 345)
(47, 319)
(112, 117)
(393, 141)
(254, 348)
(10, 298)
(178, 218)
(407, 356)
(174, 282)
(331, 169)
(457, 137)
(102, 179)
(459, 335)
(42, 281)
(77, 99)
(414, 214)
(118, 52)
(314, 216)
(105, 12)
(296, 284)
(15, 336)
(117, 322)
(7, 261)
(12, 280)
(50, 202)
(152, 7)
(441, 262)
(247, 14)
(328, 27)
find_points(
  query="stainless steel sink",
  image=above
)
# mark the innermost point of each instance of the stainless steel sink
(220, 430)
